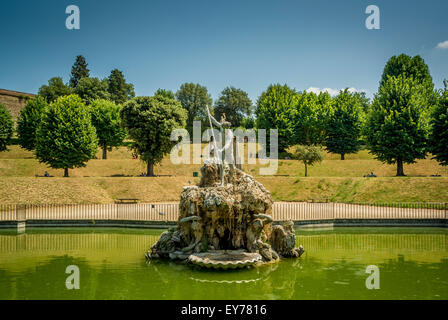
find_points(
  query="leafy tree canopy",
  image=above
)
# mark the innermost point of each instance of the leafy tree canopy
(89, 89)
(6, 127)
(56, 88)
(236, 105)
(409, 67)
(194, 98)
(439, 130)
(165, 93)
(275, 110)
(311, 117)
(28, 121)
(65, 137)
(119, 90)
(79, 71)
(149, 122)
(107, 122)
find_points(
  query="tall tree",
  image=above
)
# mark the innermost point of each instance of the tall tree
(397, 130)
(149, 122)
(165, 93)
(236, 105)
(311, 118)
(439, 130)
(79, 71)
(28, 121)
(90, 89)
(65, 137)
(344, 124)
(309, 155)
(119, 90)
(107, 122)
(56, 88)
(6, 128)
(275, 110)
(194, 98)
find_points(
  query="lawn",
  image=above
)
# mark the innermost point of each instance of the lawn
(103, 181)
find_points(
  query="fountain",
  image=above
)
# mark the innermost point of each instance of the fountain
(226, 225)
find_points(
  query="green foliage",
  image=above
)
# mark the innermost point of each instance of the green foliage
(439, 131)
(165, 93)
(344, 125)
(194, 98)
(79, 71)
(248, 123)
(275, 110)
(309, 155)
(90, 89)
(409, 67)
(311, 117)
(6, 128)
(236, 105)
(56, 88)
(106, 119)
(65, 137)
(28, 121)
(396, 130)
(119, 90)
(149, 122)
(364, 101)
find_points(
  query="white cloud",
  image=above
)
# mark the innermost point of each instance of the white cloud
(443, 45)
(331, 91)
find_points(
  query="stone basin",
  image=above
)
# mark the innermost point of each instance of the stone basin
(225, 259)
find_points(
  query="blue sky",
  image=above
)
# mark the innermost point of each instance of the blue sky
(248, 44)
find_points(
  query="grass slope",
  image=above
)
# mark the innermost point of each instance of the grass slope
(103, 181)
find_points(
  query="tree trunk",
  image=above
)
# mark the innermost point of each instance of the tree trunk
(65, 172)
(342, 156)
(149, 169)
(400, 171)
(104, 151)
(306, 170)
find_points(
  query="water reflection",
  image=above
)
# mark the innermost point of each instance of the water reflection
(413, 264)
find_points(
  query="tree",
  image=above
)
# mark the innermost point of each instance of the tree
(409, 67)
(107, 122)
(149, 122)
(165, 93)
(119, 90)
(90, 89)
(363, 100)
(344, 125)
(6, 128)
(195, 99)
(28, 121)
(439, 131)
(311, 117)
(396, 130)
(275, 110)
(79, 71)
(236, 105)
(56, 88)
(65, 137)
(309, 155)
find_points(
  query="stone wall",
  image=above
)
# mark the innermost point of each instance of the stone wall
(14, 101)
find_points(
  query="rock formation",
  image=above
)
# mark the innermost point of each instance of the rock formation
(215, 219)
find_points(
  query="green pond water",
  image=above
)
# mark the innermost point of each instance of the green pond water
(413, 264)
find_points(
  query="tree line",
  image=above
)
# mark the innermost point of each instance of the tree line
(65, 123)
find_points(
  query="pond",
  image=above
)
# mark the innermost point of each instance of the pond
(412, 264)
